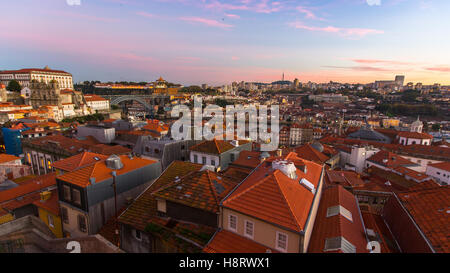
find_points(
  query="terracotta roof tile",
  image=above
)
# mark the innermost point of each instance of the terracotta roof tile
(143, 209)
(443, 166)
(5, 158)
(198, 189)
(270, 195)
(225, 241)
(430, 209)
(35, 184)
(212, 147)
(338, 225)
(51, 205)
(77, 161)
(101, 172)
(390, 160)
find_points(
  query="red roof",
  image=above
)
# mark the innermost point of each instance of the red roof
(51, 205)
(309, 153)
(390, 160)
(386, 239)
(416, 135)
(77, 161)
(443, 166)
(101, 172)
(212, 146)
(430, 209)
(228, 242)
(28, 70)
(5, 158)
(344, 178)
(328, 227)
(272, 196)
(198, 189)
(33, 185)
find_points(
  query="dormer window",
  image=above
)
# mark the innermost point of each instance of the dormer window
(335, 210)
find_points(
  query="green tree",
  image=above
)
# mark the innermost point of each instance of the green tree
(14, 86)
(436, 127)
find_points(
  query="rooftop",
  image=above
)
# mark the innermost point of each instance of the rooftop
(225, 241)
(100, 171)
(269, 194)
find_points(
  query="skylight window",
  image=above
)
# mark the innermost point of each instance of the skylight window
(308, 185)
(335, 210)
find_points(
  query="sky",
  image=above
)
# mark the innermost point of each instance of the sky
(221, 41)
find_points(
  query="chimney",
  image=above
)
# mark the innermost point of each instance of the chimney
(45, 195)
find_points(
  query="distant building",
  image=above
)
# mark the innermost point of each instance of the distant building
(218, 153)
(46, 75)
(97, 103)
(399, 80)
(440, 172)
(102, 134)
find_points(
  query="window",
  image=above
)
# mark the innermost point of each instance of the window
(248, 229)
(195, 158)
(204, 160)
(76, 197)
(64, 215)
(213, 162)
(137, 234)
(232, 222)
(51, 223)
(335, 210)
(282, 240)
(82, 223)
(66, 190)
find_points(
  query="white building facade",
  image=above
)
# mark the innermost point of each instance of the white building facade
(25, 76)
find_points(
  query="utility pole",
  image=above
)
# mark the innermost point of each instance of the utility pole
(114, 175)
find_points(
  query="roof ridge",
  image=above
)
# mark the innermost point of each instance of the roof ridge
(217, 146)
(212, 188)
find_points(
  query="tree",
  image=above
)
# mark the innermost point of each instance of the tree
(14, 86)
(436, 127)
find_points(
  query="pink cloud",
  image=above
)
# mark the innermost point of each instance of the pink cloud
(439, 69)
(233, 16)
(346, 32)
(373, 61)
(145, 14)
(361, 68)
(208, 22)
(235, 58)
(308, 13)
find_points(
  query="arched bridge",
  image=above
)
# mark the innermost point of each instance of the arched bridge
(120, 99)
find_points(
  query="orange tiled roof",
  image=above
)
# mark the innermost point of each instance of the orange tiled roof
(430, 210)
(198, 189)
(272, 196)
(51, 205)
(33, 185)
(338, 225)
(390, 160)
(248, 159)
(344, 178)
(109, 150)
(144, 209)
(77, 161)
(94, 98)
(101, 172)
(416, 135)
(309, 153)
(214, 146)
(5, 158)
(443, 166)
(225, 241)
(376, 223)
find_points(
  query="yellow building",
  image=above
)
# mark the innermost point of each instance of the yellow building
(5, 216)
(49, 212)
(388, 122)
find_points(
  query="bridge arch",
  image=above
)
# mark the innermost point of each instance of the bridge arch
(118, 100)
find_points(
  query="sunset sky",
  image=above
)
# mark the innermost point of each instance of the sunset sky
(218, 41)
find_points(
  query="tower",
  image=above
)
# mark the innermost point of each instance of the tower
(282, 77)
(417, 126)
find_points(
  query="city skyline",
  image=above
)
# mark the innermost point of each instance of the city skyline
(218, 42)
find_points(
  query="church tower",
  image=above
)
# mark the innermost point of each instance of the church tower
(417, 126)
